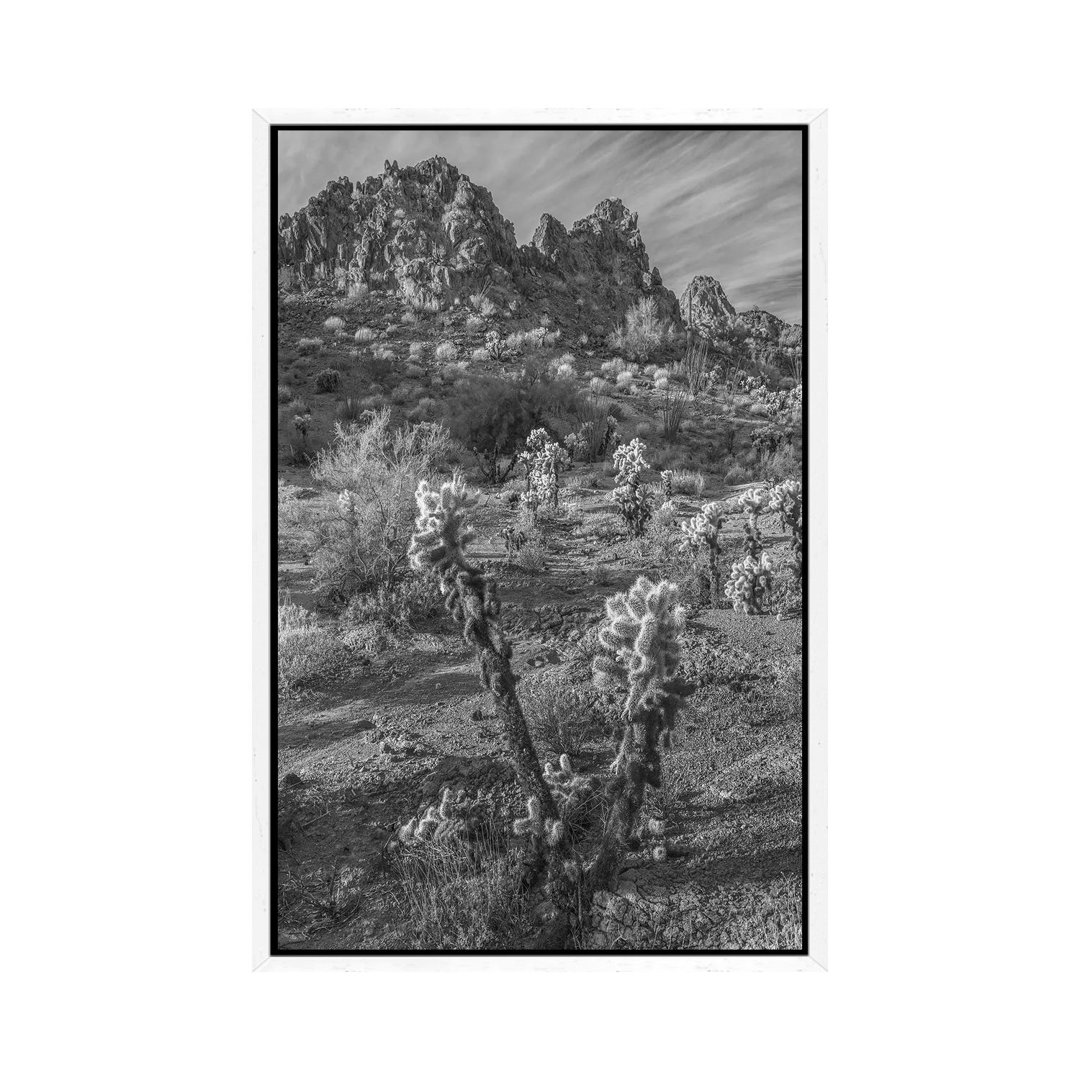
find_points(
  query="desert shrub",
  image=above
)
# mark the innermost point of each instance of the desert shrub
(446, 351)
(384, 354)
(307, 346)
(737, 474)
(307, 650)
(327, 381)
(479, 356)
(413, 599)
(373, 403)
(492, 417)
(414, 371)
(782, 463)
(624, 380)
(598, 427)
(416, 350)
(284, 395)
(532, 557)
(643, 332)
(474, 324)
(687, 482)
(364, 335)
(630, 495)
(348, 411)
(600, 386)
(563, 715)
(410, 318)
(360, 542)
(334, 325)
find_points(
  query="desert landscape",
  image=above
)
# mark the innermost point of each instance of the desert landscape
(540, 565)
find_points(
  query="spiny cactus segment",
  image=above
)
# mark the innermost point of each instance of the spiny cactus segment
(630, 495)
(666, 478)
(570, 789)
(452, 818)
(753, 504)
(550, 831)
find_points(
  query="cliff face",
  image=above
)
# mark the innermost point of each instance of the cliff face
(427, 231)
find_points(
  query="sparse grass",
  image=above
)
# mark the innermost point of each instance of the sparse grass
(561, 715)
(348, 411)
(307, 651)
(461, 895)
(309, 346)
(687, 482)
(334, 325)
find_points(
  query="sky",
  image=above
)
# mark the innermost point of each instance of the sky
(723, 203)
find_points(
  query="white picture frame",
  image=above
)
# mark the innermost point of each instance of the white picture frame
(815, 884)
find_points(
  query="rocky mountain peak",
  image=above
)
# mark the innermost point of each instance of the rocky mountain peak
(427, 231)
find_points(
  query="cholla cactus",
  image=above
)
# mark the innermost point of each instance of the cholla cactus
(749, 585)
(574, 444)
(630, 495)
(544, 459)
(641, 643)
(571, 790)
(786, 500)
(453, 818)
(438, 546)
(702, 533)
(753, 504)
(665, 483)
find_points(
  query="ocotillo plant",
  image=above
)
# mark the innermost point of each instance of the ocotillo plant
(630, 495)
(786, 500)
(438, 546)
(641, 652)
(702, 533)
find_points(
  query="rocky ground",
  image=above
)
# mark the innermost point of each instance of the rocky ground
(366, 750)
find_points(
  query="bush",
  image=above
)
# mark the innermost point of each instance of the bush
(562, 715)
(492, 417)
(643, 333)
(327, 381)
(284, 395)
(307, 651)
(360, 541)
(686, 482)
(364, 335)
(474, 323)
(309, 345)
(446, 351)
(348, 411)
(334, 325)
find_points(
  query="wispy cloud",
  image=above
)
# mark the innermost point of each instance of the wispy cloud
(725, 203)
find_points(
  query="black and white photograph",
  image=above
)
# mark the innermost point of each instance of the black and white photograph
(539, 437)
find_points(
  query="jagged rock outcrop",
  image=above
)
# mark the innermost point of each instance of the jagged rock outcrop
(705, 307)
(427, 231)
(424, 231)
(602, 256)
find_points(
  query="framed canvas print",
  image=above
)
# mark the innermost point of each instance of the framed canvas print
(540, 551)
